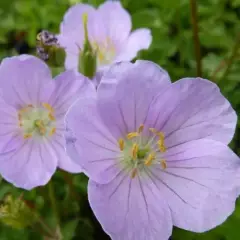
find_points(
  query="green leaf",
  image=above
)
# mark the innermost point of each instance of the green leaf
(68, 230)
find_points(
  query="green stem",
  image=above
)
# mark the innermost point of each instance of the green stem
(68, 179)
(42, 228)
(194, 20)
(45, 229)
(53, 201)
(231, 59)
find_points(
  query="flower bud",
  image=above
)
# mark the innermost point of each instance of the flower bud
(88, 56)
(15, 213)
(49, 50)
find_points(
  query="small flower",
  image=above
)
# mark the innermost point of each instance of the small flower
(32, 110)
(109, 33)
(156, 152)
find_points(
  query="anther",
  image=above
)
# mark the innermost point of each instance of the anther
(53, 131)
(48, 107)
(42, 130)
(140, 129)
(153, 130)
(161, 146)
(150, 159)
(163, 164)
(132, 135)
(51, 117)
(121, 144)
(134, 151)
(27, 136)
(134, 173)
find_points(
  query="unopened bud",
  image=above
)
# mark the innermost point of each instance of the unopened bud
(88, 56)
(15, 213)
(49, 49)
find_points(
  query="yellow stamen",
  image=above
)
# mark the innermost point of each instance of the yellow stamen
(134, 173)
(161, 135)
(39, 123)
(160, 142)
(48, 107)
(140, 129)
(153, 130)
(134, 150)
(163, 164)
(161, 146)
(132, 135)
(23, 110)
(121, 144)
(42, 130)
(51, 117)
(28, 135)
(53, 131)
(150, 159)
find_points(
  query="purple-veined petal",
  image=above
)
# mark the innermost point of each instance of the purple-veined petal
(138, 40)
(73, 18)
(30, 165)
(130, 209)
(115, 23)
(192, 109)
(93, 146)
(58, 143)
(68, 87)
(72, 46)
(8, 125)
(71, 61)
(200, 183)
(126, 92)
(22, 80)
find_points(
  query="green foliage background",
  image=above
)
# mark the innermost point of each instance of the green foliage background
(172, 48)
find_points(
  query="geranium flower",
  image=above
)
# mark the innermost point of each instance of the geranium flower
(32, 110)
(156, 152)
(109, 32)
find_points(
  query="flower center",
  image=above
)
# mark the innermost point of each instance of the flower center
(140, 152)
(37, 121)
(106, 52)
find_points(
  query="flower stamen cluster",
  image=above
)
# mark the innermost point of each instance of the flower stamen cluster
(139, 152)
(37, 121)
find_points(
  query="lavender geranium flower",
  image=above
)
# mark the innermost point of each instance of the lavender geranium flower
(109, 32)
(156, 153)
(32, 109)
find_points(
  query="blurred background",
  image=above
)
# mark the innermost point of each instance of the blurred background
(174, 47)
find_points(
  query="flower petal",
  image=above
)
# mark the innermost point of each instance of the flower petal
(200, 183)
(92, 146)
(30, 165)
(8, 125)
(68, 87)
(115, 20)
(126, 92)
(130, 209)
(138, 40)
(192, 109)
(72, 21)
(22, 80)
(58, 143)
